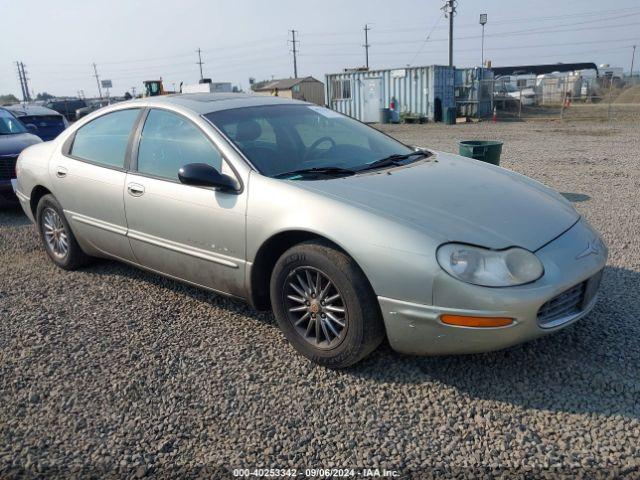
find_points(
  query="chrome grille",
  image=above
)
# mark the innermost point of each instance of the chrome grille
(567, 303)
(8, 167)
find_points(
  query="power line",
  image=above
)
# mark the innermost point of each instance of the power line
(435, 24)
(473, 49)
(513, 33)
(507, 21)
(540, 29)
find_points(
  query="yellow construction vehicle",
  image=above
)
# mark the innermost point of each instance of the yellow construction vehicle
(153, 88)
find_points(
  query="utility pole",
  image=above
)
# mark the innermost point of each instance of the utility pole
(200, 62)
(633, 57)
(294, 42)
(26, 83)
(366, 45)
(450, 10)
(95, 74)
(24, 95)
(483, 21)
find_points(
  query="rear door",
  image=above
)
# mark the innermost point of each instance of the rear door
(88, 180)
(192, 233)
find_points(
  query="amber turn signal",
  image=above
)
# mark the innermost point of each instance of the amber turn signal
(478, 322)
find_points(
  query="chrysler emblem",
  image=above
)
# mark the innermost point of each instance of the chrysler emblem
(592, 249)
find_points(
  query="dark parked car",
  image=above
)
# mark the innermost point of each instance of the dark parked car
(42, 121)
(90, 108)
(67, 107)
(14, 138)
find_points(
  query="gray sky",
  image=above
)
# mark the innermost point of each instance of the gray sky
(134, 40)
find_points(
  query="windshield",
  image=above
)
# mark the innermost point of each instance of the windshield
(9, 124)
(285, 138)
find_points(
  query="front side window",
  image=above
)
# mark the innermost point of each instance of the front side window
(283, 138)
(104, 140)
(170, 141)
(10, 125)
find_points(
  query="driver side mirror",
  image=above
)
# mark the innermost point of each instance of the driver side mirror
(203, 175)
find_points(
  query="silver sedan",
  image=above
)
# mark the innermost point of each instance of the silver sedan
(345, 233)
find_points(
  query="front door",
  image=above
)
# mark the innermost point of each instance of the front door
(372, 100)
(191, 233)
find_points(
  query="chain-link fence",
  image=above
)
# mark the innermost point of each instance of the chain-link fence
(566, 97)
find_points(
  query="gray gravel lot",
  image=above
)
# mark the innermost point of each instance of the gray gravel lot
(111, 370)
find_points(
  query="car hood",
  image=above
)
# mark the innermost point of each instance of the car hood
(14, 144)
(452, 198)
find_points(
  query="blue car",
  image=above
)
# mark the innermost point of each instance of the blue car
(41, 121)
(14, 137)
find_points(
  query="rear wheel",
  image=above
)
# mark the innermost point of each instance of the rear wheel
(56, 235)
(325, 306)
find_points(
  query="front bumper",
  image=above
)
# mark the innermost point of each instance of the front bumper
(418, 329)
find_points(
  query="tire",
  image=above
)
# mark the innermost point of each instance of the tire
(337, 339)
(49, 213)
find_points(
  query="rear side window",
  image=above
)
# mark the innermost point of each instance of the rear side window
(104, 140)
(43, 120)
(170, 141)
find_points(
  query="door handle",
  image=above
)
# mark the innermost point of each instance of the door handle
(135, 189)
(61, 172)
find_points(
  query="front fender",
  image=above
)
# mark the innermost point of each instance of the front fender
(399, 262)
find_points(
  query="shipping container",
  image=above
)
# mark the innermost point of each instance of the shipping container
(420, 92)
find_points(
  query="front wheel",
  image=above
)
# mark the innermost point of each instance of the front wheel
(325, 306)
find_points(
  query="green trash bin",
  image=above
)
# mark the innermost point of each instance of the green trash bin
(485, 150)
(385, 115)
(450, 115)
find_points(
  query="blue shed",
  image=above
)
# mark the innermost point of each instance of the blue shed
(419, 91)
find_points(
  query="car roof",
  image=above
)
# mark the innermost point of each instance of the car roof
(37, 110)
(203, 103)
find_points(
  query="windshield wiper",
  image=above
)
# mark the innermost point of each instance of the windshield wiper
(330, 171)
(394, 159)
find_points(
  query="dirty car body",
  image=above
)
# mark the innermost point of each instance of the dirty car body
(459, 256)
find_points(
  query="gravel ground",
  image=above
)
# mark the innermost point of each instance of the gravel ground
(113, 371)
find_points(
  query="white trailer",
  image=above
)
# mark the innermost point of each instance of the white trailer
(209, 87)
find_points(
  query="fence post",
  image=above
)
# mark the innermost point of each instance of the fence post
(610, 99)
(520, 102)
(562, 100)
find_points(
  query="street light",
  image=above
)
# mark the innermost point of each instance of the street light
(483, 20)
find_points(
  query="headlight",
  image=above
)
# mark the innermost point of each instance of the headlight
(489, 268)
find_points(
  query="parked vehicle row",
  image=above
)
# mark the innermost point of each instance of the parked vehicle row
(41, 121)
(90, 108)
(37, 120)
(506, 91)
(14, 137)
(346, 233)
(67, 107)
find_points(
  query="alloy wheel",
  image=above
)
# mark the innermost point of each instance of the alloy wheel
(55, 233)
(315, 308)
